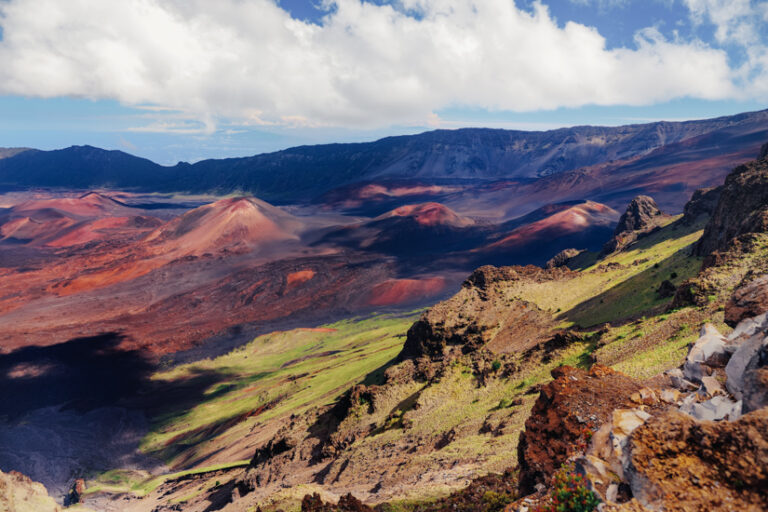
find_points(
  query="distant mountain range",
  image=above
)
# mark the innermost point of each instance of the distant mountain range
(475, 155)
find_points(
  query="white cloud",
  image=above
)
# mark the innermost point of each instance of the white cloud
(249, 62)
(744, 24)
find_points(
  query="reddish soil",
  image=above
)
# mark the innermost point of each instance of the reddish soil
(405, 291)
(430, 214)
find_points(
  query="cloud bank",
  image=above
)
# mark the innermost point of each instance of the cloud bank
(364, 65)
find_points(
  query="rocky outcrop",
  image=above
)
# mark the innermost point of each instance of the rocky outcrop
(748, 300)
(702, 204)
(485, 313)
(567, 412)
(641, 217)
(562, 258)
(741, 209)
(347, 503)
(19, 493)
(676, 463)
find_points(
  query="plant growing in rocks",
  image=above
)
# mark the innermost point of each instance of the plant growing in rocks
(569, 493)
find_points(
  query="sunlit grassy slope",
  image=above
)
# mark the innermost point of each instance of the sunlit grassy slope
(258, 386)
(275, 375)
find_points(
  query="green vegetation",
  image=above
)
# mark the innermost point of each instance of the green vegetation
(237, 400)
(276, 375)
(142, 483)
(570, 493)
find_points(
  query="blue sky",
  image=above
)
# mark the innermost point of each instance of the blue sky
(248, 77)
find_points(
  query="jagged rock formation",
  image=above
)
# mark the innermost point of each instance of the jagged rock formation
(741, 209)
(562, 258)
(575, 403)
(19, 493)
(641, 217)
(483, 314)
(702, 203)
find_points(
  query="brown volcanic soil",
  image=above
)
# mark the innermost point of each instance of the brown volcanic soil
(168, 288)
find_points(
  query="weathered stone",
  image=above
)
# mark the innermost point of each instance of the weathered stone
(740, 361)
(707, 350)
(679, 381)
(747, 301)
(670, 396)
(746, 329)
(553, 431)
(610, 441)
(710, 386)
(755, 394)
(714, 409)
(679, 464)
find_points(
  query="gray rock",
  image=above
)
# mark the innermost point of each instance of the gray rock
(746, 356)
(748, 328)
(755, 389)
(714, 409)
(709, 347)
(679, 381)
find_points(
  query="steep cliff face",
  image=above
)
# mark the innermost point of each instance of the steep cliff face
(741, 209)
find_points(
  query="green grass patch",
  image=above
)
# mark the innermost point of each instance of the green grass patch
(277, 374)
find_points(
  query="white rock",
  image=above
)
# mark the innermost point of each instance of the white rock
(714, 409)
(710, 343)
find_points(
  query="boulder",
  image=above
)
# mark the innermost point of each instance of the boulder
(745, 330)
(679, 381)
(676, 463)
(715, 409)
(755, 391)
(746, 357)
(748, 300)
(707, 352)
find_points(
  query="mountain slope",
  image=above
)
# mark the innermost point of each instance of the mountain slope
(306, 172)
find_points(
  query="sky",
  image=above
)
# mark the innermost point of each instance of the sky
(185, 80)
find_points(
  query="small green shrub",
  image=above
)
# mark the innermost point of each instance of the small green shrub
(570, 493)
(496, 501)
(496, 365)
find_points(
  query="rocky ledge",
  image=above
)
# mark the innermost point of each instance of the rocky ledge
(693, 439)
